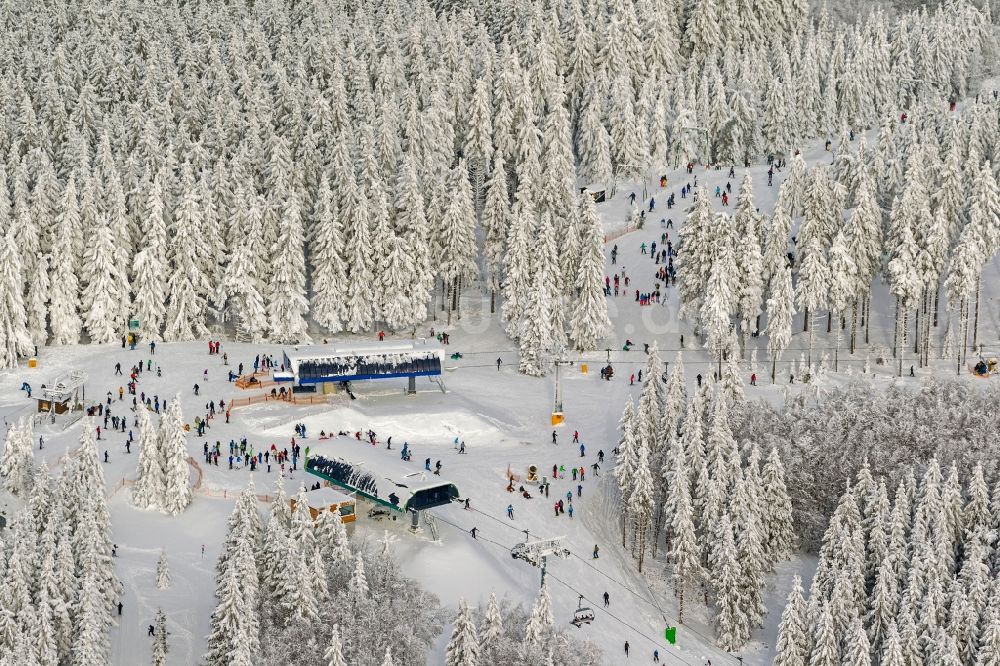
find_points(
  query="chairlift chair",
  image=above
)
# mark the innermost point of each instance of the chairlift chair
(582, 615)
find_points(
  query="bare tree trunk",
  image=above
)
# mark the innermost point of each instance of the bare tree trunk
(965, 333)
(680, 604)
(902, 338)
(868, 316)
(975, 321)
(854, 326)
(960, 347)
(895, 332)
(657, 524)
(774, 365)
(642, 542)
(809, 355)
(451, 299)
(805, 320)
(937, 294)
(836, 349)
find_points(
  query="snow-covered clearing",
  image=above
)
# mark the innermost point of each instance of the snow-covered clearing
(500, 415)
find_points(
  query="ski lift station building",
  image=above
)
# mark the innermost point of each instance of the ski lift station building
(65, 394)
(388, 482)
(322, 367)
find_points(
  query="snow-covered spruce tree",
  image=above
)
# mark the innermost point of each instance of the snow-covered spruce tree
(64, 304)
(88, 516)
(334, 655)
(463, 648)
(491, 630)
(625, 464)
(289, 601)
(239, 594)
(825, 651)
(14, 339)
(793, 645)
(731, 383)
(720, 297)
(105, 288)
(382, 242)
(160, 639)
(517, 279)
(732, 624)
(331, 537)
(811, 290)
(538, 629)
(779, 531)
(327, 253)
(241, 285)
(843, 287)
(458, 248)
(589, 322)
(865, 248)
(397, 268)
(695, 259)
(413, 233)
(594, 142)
(17, 461)
(748, 248)
(151, 268)
(478, 146)
(186, 284)
(703, 36)
(359, 261)
(287, 304)
(162, 572)
(496, 222)
(147, 491)
(535, 331)
(91, 640)
(173, 460)
(641, 500)
(234, 632)
(684, 555)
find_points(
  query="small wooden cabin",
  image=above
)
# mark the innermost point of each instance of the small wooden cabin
(326, 498)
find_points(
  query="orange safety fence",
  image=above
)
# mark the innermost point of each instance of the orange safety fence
(243, 381)
(618, 233)
(111, 492)
(267, 397)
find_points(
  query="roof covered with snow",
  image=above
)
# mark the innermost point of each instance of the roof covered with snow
(377, 479)
(314, 364)
(325, 497)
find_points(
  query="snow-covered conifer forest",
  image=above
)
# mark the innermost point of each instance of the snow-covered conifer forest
(781, 450)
